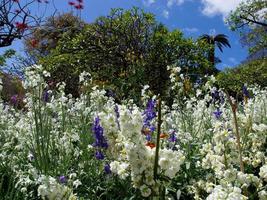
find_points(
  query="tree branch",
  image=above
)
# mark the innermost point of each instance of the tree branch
(253, 21)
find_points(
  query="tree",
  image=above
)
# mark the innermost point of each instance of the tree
(250, 19)
(123, 52)
(7, 54)
(219, 41)
(251, 73)
(16, 19)
(45, 37)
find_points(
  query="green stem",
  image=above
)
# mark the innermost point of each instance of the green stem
(234, 109)
(158, 140)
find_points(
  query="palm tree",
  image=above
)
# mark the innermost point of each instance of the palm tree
(219, 41)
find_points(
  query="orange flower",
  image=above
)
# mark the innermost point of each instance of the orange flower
(163, 135)
(150, 144)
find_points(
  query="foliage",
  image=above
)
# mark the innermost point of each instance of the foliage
(16, 19)
(12, 90)
(249, 18)
(7, 54)
(252, 73)
(45, 37)
(129, 45)
(219, 41)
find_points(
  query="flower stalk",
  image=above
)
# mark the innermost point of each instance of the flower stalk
(234, 109)
(158, 140)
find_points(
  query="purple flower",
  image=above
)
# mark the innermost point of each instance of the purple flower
(99, 155)
(172, 137)
(148, 137)
(149, 115)
(62, 179)
(14, 99)
(150, 112)
(217, 113)
(45, 96)
(107, 169)
(245, 91)
(100, 140)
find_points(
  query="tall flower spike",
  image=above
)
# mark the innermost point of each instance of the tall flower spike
(99, 155)
(149, 115)
(172, 137)
(107, 169)
(245, 91)
(217, 113)
(100, 140)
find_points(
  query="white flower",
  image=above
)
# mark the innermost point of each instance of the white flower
(145, 191)
(46, 73)
(77, 183)
(85, 77)
(263, 172)
(262, 195)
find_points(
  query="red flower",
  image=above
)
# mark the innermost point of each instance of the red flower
(79, 6)
(15, 1)
(80, 1)
(21, 26)
(34, 43)
(150, 144)
(71, 3)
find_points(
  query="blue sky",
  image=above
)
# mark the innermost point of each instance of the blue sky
(193, 17)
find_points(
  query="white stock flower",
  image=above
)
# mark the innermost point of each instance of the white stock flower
(263, 172)
(145, 191)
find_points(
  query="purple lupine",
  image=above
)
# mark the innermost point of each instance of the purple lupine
(172, 137)
(100, 140)
(217, 113)
(45, 96)
(150, 112)
(62, 179)
(245, 91)
(149, 115)
(107, 169)
(148, 137)
(99, 155)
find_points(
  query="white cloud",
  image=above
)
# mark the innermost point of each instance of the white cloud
(190, 30)
(219, 7)
(149, 2)
(165, 14)
(170, 3)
